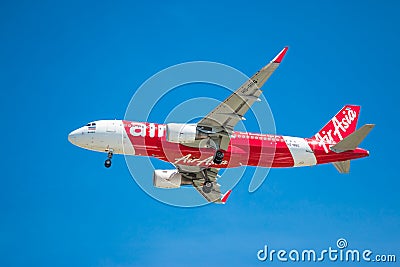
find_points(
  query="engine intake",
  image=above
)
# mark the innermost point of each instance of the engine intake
(167, 178)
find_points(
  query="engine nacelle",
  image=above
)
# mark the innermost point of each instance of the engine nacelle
(167, 178)
(181, 133)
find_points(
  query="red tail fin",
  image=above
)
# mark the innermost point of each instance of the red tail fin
(340, 126)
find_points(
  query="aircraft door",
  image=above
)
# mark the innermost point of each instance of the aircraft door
(111, 126)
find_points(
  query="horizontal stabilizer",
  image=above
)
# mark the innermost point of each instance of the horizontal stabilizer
(342, 166)
(352, 141)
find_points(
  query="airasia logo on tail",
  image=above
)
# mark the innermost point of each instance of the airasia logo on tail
(340, 126)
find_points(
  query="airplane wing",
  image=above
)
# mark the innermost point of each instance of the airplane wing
(219, 123)
(199, 179)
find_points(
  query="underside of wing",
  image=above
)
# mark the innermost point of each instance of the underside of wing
(205, 182)
(213, 196)
(226, 115)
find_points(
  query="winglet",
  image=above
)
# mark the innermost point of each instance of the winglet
(279, 57)
(225, 196)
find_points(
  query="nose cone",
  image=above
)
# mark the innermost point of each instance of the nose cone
(73, 136)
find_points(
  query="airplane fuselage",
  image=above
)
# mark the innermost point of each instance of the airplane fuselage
(199, 150)
(245, 149)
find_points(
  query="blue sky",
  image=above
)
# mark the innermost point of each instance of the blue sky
(66, 63)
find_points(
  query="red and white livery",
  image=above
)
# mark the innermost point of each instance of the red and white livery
(199, 150)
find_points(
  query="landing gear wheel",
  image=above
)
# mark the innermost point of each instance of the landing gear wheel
(207, 187)
(218, 157)
(107, 163)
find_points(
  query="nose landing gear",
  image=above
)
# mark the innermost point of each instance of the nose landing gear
(107, 163)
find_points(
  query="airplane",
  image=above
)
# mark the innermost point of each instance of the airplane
(199, 150)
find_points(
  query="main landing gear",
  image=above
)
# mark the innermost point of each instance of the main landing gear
(107, 163)
(218, 157)
(208, 185)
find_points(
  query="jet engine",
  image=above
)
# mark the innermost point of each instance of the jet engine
(182, 133)
(167, 178)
